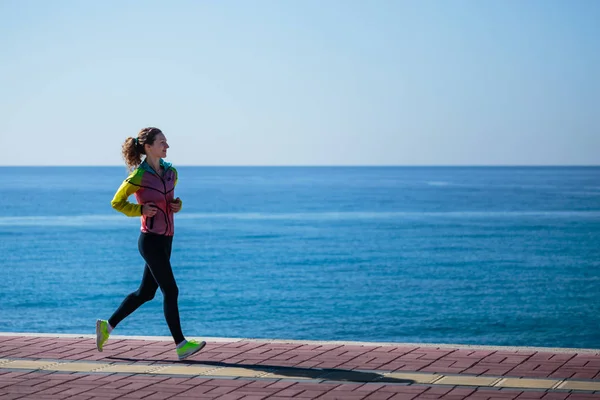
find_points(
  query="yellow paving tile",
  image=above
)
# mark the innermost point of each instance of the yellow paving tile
(580, 385)
(299, 374)
(351, 376)
(128, 368)
(291, 373)
(181, 370)
(27, 364)
(467, 380)
(274, 375)
(232, 371)
(76, 367)
(416, 378)
(527, 383)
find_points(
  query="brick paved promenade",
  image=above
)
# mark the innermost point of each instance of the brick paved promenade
(52, 367)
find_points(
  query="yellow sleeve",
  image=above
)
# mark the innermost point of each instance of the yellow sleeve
(119, 201)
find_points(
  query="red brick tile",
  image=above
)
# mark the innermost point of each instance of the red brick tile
(74, 391)
(531, 395)
(404, 396)
(137, 394)
(291, 392)
(259, 384)
(23, 389)
(11, 396)
(342, 395)
(274, 398)
(50, 391)
(310, 394)
(404, 389)
(157, 396)
(584, 375)
(256, 391)
(379, 396)
(220, 382)
(230, 396)
(460, 392)
(441, 390)
(281, 385)
(348, 387)
(198, 390)
(555, 396)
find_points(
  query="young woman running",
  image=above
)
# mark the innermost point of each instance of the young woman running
(153, 182)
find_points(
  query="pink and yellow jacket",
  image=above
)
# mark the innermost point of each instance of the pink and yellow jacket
(148, 187)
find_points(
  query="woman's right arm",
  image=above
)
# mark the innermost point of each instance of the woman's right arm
(119, 201)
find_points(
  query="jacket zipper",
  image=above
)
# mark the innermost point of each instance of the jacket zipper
(166, 202)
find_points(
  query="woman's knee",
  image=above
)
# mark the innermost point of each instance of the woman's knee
(171, 291)
(144, 295)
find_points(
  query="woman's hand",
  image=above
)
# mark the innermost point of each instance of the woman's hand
(175, 205)
(149, 209)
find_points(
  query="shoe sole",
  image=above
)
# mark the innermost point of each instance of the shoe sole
(202, 344)
(98, 335)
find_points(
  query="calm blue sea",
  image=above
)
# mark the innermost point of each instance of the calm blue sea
(493, 256)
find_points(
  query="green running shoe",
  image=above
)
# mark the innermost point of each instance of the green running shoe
(101, 333)
(191, 347)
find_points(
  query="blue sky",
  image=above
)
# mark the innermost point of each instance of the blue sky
(302, 82)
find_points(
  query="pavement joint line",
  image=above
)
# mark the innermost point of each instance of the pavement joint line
(558, 384)
(498, 382)
(266, 373)
(318, 374)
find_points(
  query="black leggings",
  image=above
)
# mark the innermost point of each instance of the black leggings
(156, 250)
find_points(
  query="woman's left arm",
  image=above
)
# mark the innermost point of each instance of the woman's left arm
(177, 203)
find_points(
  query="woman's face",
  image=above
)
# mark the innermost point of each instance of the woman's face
(159, 148)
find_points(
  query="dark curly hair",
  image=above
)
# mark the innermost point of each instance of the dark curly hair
(133, 148)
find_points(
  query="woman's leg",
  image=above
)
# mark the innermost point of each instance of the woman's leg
(134, 300)
(156, 250)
